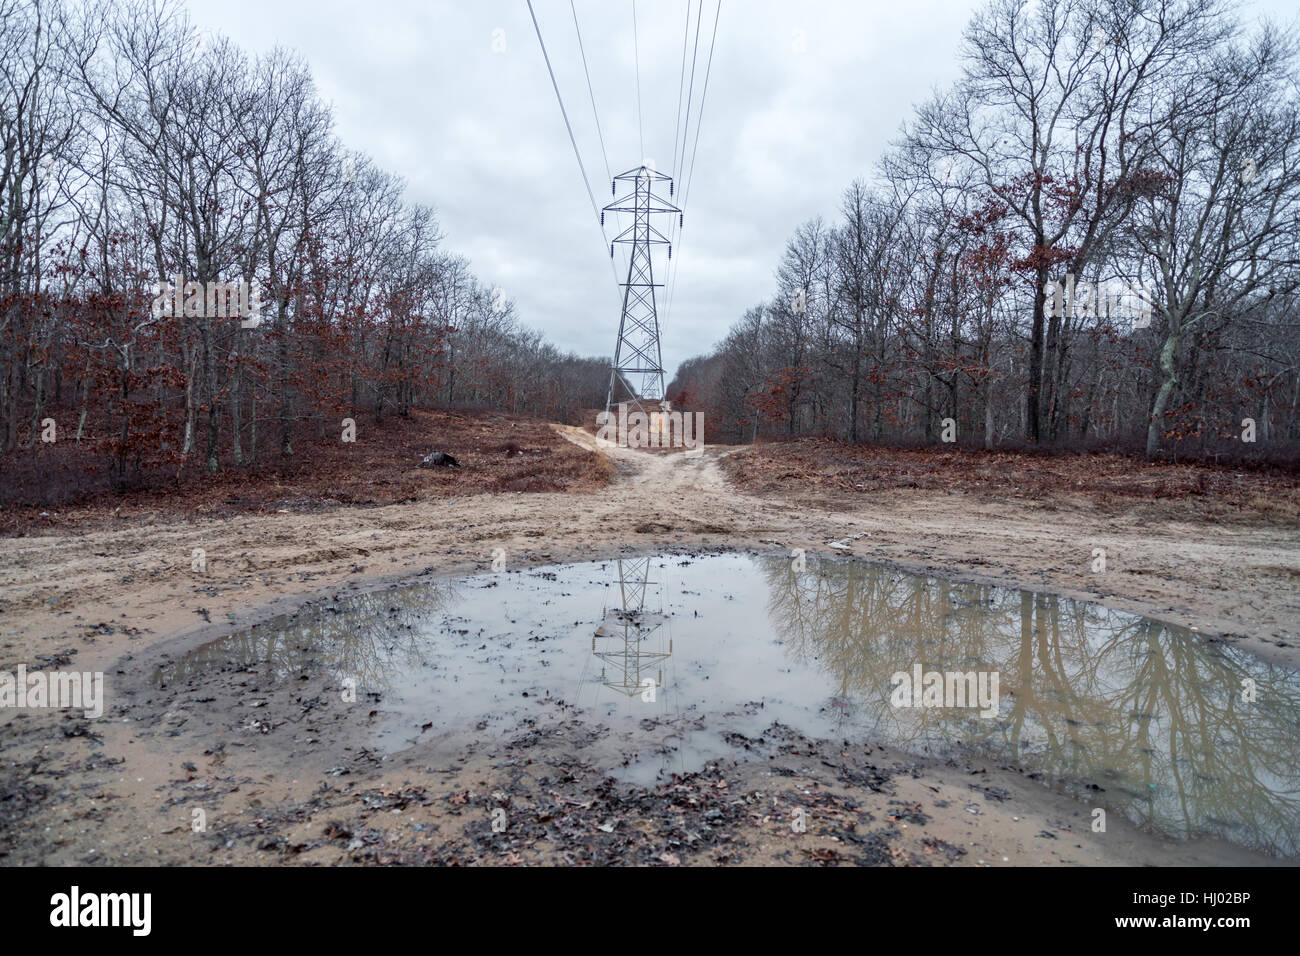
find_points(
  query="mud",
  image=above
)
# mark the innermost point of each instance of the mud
(284, 772)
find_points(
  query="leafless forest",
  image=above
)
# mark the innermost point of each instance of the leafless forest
(136, 148)
(950, 518)
(1130, 144)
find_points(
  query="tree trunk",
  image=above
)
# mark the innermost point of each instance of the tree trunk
(1156, 425)
(1033, 400)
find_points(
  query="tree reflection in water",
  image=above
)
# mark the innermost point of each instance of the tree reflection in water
(1149, 712)
(1144, 718)
(366, 638)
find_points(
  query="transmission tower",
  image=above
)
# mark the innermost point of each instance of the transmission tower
(638, 361)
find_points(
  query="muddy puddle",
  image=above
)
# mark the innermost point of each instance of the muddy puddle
(685, 659)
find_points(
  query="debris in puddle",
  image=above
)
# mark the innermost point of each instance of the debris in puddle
(723, 680)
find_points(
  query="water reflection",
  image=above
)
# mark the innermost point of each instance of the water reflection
(368, 638)
(623, 640)
(1150, 712)
(1141, 717)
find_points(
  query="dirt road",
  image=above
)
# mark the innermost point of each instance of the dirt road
(123, 788)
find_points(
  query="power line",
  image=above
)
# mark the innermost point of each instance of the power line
(681, 87)
(673, 228)
(586, 182)
(672, 289)
(563, 112)
(608, 173)
(685, 129)
(703, 95)
(596, 114)
(636, 52)
(691, 93)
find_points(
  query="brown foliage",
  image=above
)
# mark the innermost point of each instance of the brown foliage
(497, 453)
(1093, 480)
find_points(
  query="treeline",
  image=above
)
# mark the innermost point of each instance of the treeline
(1148, 149)
(135, 150)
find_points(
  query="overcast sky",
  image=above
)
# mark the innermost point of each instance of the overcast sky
(803, 97)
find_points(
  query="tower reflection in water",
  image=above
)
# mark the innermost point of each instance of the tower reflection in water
(631, 662)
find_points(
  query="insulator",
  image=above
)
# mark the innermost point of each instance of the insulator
(681, 219)
(670, 187)
(611, 250)
(602, 219)
(613, 188)
(670, 250)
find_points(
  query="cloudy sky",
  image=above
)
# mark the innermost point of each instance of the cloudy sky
(455, 97)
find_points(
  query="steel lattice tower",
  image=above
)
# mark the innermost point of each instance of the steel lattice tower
(638, 360)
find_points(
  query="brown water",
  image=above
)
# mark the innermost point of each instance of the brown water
(1144, 718)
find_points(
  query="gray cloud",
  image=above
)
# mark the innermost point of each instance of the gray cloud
(478, 134)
